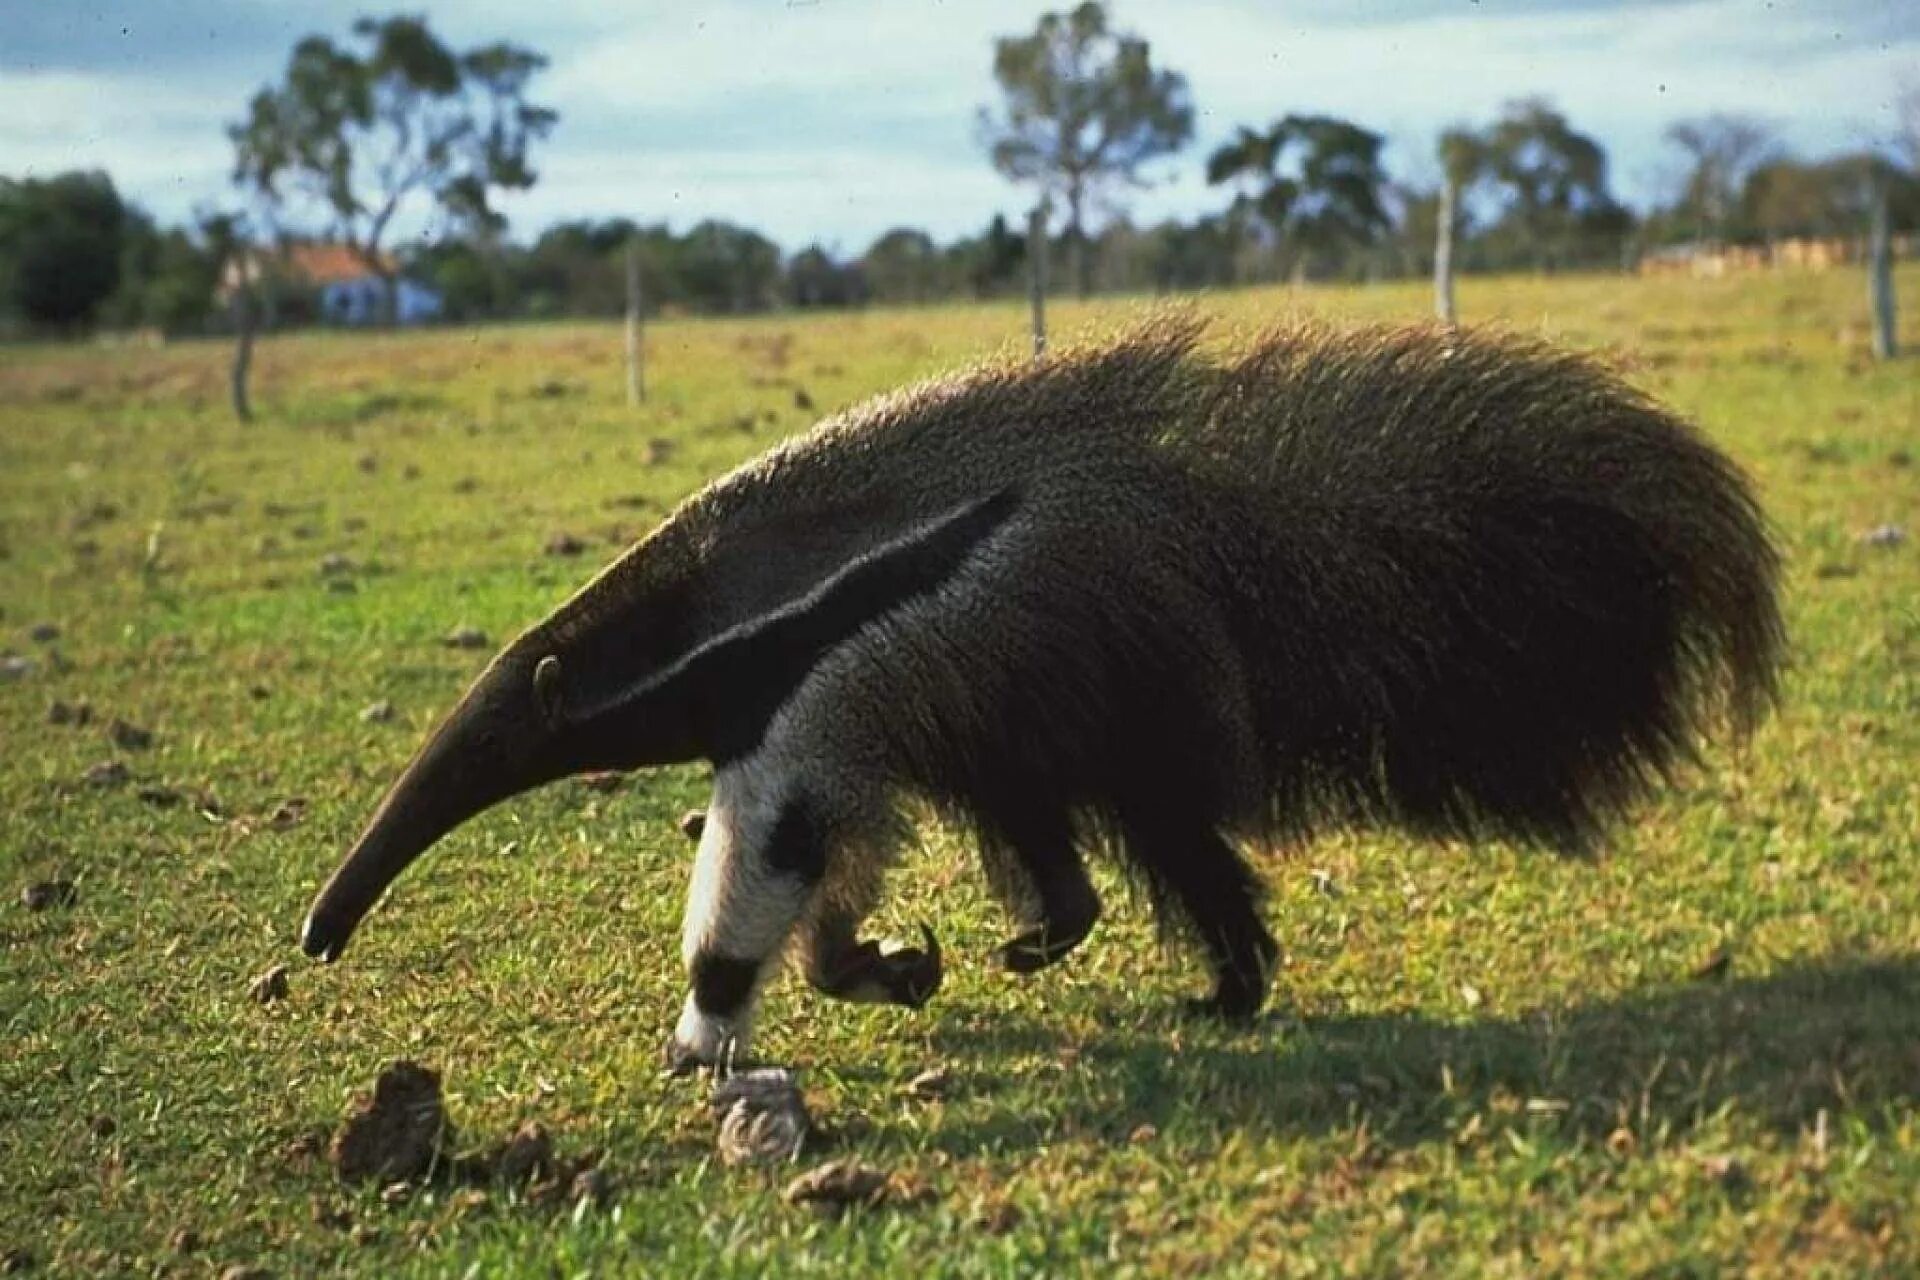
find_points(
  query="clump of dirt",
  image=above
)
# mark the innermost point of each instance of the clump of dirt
(270, 987)
(465, 638)
(77, 714)
(527, 1155)
(108, 773)
(849, 1184)
(763, 1118)
(564, 544)
(933, 1083)
(129, 736)
(396, 1134)
(47, 894)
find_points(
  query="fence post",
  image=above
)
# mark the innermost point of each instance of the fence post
(636, 373)
(1880, 273)
(1037, 276)
(1443, 254)
(243, 322)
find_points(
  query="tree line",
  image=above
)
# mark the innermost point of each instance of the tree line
(358, 135)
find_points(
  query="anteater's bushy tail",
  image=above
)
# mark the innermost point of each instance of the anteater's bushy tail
(1499, 591)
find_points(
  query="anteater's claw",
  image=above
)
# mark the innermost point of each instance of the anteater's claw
(912, 974)
(1038, 948)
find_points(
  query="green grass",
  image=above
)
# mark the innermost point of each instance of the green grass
(1480, 1061)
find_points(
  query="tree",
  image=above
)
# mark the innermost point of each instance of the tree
(60, 247)
(1085, 111)
(903, 265)
(167, 279)
(993, 262)
(1722, 151)
(404, 123)
(1463, 161)
(1553, 179)
(815, 279)
(1318, 185)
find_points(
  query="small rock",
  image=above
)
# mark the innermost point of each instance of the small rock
(108, 773)
(465, 638)
(270, 987)
(527, 1155)
(69, 713)
(47, 894)
(692, 823)
(1727, 1171)
(996, 1217)
(763, 1118)
(397, 1132)
(287, 814)
(930, 1084)
(1715, 967)
(1884, 535)
(469, 1200)
(129, 737)
(43, 632)
(1471, 996)
(837, 1185)
(564, 544)
(376, 712)
(591, 1186)
(304, 1146)
(13, 667)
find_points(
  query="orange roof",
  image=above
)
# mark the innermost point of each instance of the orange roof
(328, 263)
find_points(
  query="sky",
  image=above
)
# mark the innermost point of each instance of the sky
(831, 121)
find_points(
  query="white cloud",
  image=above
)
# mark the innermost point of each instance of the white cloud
(836, 119)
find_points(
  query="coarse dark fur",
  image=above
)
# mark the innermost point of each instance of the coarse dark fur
(1456, 583)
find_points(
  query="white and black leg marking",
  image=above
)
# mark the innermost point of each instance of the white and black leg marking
(762, 852)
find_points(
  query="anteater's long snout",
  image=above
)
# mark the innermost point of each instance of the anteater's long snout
(491, 747)
(432, 797)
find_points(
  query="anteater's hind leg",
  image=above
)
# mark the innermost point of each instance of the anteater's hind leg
(1037, 873)
(1193, 871)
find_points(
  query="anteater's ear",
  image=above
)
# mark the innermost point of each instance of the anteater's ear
(547, 691)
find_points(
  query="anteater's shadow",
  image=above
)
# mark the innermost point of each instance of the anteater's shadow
(1839, 1035)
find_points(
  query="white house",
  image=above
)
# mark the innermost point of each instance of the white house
(345, 289)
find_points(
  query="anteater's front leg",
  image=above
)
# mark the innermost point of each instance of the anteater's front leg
(840, 964)
(762, 854)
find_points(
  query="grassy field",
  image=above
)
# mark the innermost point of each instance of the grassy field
(1700, 1055)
